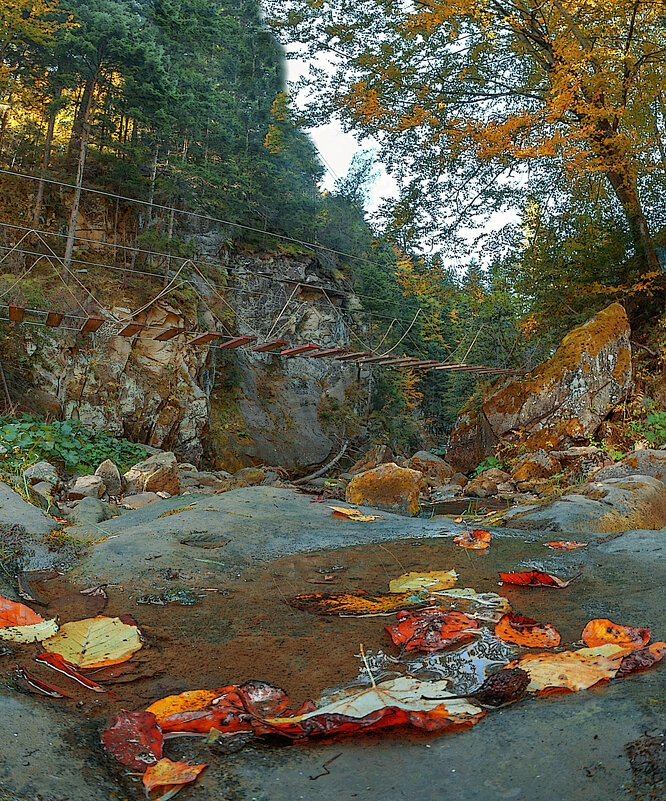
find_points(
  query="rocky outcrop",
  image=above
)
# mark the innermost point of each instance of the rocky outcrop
(618, 504)
(562, 402)
(239, 407)
(387, 487)
(646, 462)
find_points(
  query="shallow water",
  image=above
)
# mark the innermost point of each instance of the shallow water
(564, 747)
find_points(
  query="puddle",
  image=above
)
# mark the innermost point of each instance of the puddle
(243, 629)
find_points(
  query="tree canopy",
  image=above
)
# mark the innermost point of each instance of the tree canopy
(472, 100)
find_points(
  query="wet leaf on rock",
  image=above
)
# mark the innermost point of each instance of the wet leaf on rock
(431, 630)
(19, 623)
(477, 540)
(525, 631)
(431, 581)
(356, 604)
(353, 514)
(166, 773)
(134, 739)
(536, 578)
(571, 671)
(397, 702)
(566, 544)
(95, 642)
(601, 630)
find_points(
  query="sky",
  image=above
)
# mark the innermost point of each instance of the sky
(337, 148)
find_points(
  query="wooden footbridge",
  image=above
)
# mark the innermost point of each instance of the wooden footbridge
(132, 328)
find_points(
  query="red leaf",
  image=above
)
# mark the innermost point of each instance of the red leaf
(431, 630)
(134, 739)
(567, 544)
(535, 578)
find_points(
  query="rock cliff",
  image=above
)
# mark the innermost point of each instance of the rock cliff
(562, 402)
(234, 406)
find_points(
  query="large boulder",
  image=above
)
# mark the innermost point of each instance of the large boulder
(378, 454)
(617, 504)
(388, 487)
(158, 473)
(639, 463)
(110, 475)
(481, 487)
(435, 470)
(536, 465)
(562, 402)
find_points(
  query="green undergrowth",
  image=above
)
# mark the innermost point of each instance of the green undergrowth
(68, 443)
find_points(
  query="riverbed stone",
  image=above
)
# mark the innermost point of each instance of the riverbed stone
(533, 466)
(86, 486)
(435, 470)
(646, 462)
(250, 475)
(581, 461)
(139, 500)
(90, 510)
(41, 471)
(378, 454)
(480, 487)
(388, 487)
(614, 505)
(110, 475)
(157, 473)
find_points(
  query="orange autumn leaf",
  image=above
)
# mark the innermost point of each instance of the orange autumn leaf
(525, 631)
(189, 701)
(641, 659)
(357, 603)
(474, 540)
(15, 614)
(568, 544)
(431, 630)
(535, 578)
(600, 631)
(166, 773)
(571, 671)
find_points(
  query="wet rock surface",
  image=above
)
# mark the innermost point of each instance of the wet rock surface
(273, 543)
(615, 505)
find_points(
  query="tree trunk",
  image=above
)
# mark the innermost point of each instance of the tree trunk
(45, 165)
(82, 114)
(153, 174)
(71, 231)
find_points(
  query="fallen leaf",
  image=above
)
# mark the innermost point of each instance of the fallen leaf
(525, 631)
(568, 544)
(474, 540)
(458, 520)
(19, 623)
(571, 671)
(432, 581)
(95, 642)
(352, 514)
(166, 773)
(134, 739)
(401, 701)
(356, 603)
(601, 630)
(431, 630)
(641, 659)
(229, 709)
(536, 578)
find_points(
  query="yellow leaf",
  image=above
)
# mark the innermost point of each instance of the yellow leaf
(95, 642)
(432, 581)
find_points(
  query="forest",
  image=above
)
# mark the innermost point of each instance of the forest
(530, 159)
